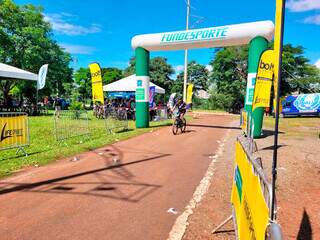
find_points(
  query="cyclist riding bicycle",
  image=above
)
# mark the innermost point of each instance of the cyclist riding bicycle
(182, 108)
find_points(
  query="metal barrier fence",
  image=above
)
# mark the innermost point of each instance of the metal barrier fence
(70, 123)
(251, 196)
(116, 120)
(161, 114)
(14, 131)
(257, 168)
(273, 230)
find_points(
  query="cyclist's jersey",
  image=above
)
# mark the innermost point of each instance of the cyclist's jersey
(182, 107)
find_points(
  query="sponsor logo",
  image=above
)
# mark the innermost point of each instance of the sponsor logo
(308, 102)
(266, 66)
(95, 74)
(139, 83)
(195, 35)
(10, 133)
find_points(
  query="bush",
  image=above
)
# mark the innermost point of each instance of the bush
(219, 101)
(76, 106)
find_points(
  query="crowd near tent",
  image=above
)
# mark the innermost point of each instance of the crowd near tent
(7, 71)
(127, 86)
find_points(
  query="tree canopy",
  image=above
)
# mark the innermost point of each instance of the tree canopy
(197, 75)
(160, 71)
(229, 74)
(82, 78)
(26, 42)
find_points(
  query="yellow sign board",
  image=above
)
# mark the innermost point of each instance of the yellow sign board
(97, 89)
(262, 91)
(251, 210)
(189, 93)
(14, 131)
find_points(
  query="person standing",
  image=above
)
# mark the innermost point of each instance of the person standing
(57, 107)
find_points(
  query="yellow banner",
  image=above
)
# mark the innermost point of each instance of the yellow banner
(262, 90)
(97, 89)
(277, 43)
(189, 93)
(244, 121)
(14, 131)
(251, 210)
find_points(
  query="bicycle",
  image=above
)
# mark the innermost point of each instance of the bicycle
(179, 123)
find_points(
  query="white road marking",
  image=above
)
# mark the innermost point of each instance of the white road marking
(181, 222)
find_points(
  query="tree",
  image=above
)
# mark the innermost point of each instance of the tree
(82, 78)
(160, 71)
(131, 68)
(110, 75)
(297, 73)
(197, 74)
(26, 42)
(229, 73)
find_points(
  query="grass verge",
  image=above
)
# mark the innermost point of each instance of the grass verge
(295, 126)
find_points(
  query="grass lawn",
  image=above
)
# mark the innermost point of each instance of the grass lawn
(296, 126)
(44, 148)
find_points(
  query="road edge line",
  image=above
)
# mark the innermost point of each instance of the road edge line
(180, 226)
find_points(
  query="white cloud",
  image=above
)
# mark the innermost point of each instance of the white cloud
(313, 19)
(120, 64)
(209, 68)
(78, 49)
(61, 24)
(302, 5)
(179, 68)
(317, 63)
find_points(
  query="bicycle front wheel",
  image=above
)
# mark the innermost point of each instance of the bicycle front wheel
(175, 127)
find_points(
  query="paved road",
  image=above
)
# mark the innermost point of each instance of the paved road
(93, 198)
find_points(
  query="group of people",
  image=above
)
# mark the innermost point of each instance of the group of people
(113, 106)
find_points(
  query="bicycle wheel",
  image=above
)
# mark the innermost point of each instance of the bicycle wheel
(184, 125)
(175, 127)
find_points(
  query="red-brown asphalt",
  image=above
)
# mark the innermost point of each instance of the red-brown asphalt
(95, 198)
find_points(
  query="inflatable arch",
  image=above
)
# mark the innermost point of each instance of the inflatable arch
(256, 34)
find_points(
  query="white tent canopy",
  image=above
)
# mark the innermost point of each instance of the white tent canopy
(128, 84)
(7, 71)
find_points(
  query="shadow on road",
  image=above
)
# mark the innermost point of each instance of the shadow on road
(272, 147)
(268, 133)
(125, 188)
(305, 231)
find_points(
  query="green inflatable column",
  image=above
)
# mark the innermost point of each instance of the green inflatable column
(142, 90)
(256, 47)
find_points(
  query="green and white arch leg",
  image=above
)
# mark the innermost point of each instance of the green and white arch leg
(142, 88)
(256, 47)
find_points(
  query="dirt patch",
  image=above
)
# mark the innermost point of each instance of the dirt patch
(298, 187)
(298, 184)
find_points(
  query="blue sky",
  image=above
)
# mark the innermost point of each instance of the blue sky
(101, 30)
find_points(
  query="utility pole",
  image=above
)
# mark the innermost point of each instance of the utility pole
(186, 57)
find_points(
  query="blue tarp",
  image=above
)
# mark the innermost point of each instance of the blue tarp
(121, 94)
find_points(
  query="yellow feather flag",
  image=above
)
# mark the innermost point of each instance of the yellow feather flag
(262, 90)
(189, 93)
(278, 44)
(97, 90)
